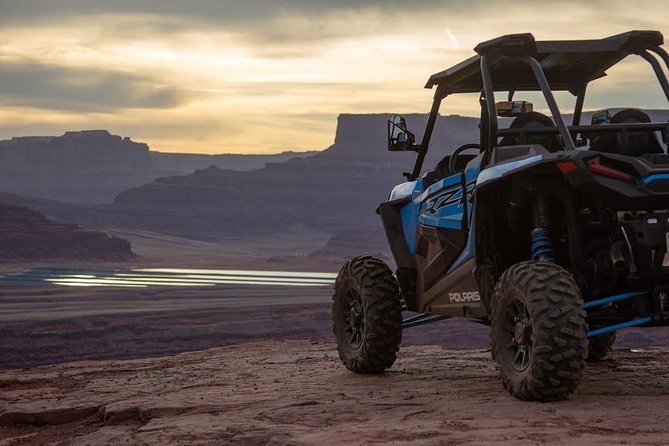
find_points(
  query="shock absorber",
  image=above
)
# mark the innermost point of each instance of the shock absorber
(542, 246)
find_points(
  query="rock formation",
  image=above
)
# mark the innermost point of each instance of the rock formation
(335, 190)
(27, 235)
(93, 166)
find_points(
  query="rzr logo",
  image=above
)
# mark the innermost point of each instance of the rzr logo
(446, 198)
(449, 197)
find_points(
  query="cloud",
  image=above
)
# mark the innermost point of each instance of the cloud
(82, 89)
(205, 10)
(263, 75)
(454, 40)
(295, 28)
(268, 21)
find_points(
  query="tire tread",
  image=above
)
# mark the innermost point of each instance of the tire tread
(382, 311)
(559, 328)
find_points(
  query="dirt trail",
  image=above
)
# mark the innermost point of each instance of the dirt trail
(298, 393)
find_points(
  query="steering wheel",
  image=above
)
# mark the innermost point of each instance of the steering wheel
(454, 156)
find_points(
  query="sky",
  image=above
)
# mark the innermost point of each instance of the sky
(263, 76)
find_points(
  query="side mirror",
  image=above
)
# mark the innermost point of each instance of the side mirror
(399, 138)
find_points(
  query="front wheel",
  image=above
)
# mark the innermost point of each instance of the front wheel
(367, 315)
(538, 331)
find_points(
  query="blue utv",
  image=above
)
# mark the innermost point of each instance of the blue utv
(555, 235)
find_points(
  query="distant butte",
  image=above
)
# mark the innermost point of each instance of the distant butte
(329, 192)
(93, 166)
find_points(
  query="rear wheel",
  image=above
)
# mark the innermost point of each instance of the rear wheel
(600, 346)
(367, 315)
(538, 331)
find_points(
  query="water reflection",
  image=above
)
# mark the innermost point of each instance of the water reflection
(145, 277)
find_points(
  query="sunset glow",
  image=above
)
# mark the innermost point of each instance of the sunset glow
(264, 76)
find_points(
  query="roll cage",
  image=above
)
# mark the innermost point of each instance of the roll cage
(518, 62)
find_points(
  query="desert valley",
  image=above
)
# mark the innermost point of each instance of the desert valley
(110, 206)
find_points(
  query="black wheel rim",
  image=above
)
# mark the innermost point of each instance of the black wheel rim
(354, 315)
(517, 335)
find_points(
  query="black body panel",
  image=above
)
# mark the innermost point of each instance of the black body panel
(389, 212)
(648, 239)
(455, 294)
(436, 249)
(622, 195)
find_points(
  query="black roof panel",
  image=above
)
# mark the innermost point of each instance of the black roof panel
(568, 64)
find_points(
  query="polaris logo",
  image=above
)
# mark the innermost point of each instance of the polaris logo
(465, 296)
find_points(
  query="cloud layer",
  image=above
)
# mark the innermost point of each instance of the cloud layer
(73, 89)
(266, 75)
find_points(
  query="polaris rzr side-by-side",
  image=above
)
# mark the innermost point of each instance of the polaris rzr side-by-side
(554, 235)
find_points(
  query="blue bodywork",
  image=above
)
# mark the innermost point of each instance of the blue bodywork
(444, 203)
(448, 204)
(657, 177)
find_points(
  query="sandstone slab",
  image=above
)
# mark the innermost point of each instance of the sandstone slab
(297, 393)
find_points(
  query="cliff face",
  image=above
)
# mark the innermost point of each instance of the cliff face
(363, 138)
(371, 130)
(27, 235)
(87, 166)
(94, 166)
(334, 190)
(93, 151)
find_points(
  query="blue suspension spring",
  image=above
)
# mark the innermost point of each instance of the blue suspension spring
(542, 247)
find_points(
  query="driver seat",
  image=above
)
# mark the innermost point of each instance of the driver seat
(533, 120)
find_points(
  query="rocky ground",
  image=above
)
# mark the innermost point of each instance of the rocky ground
(271, 374)
(297, 392)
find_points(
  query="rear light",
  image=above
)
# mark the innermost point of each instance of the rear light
(567, 166)
(595, 166)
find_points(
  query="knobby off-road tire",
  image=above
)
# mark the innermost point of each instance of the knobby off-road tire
(538, 331)
(367, 315)
(600, 346)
